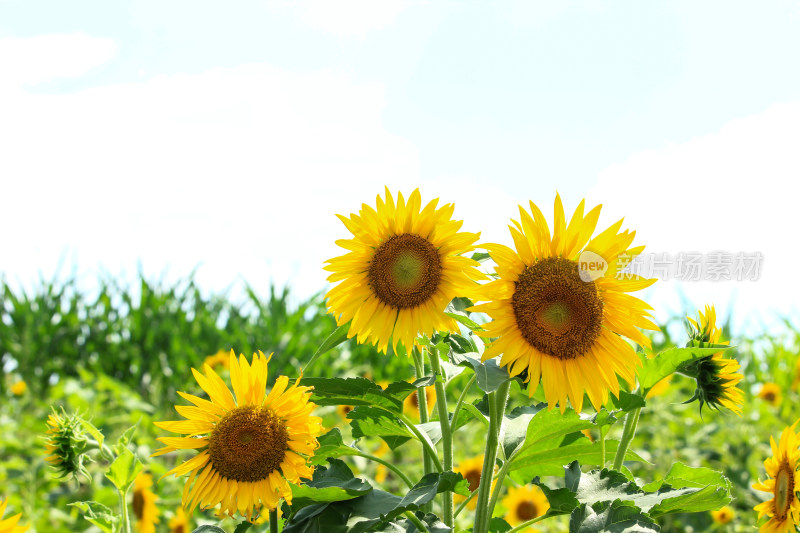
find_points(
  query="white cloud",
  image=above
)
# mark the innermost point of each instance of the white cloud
(349, 17)
(32, 60)
(734, 190)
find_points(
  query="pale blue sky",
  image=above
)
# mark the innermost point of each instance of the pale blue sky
(228, 134)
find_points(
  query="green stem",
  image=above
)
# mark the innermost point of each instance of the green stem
(273, 521)
(123, 511)
(416, 521)
(388, 465)
(523, 525)
(427, 447)
(447, 435)
(602, 447)
(422, 402)
(628, 432)
(497, 407)
(465, 502)
(498, 486)
(462, 396)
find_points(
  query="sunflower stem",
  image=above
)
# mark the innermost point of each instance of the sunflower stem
(123, 511)
(447, 435)
(602, 448)
(522, 526)
(462, 396)
(422, 403)
(427, 447)
(497, 407)
(628, 432)
(417, 522)
(273, 521)
(388, 465)
(465, 502)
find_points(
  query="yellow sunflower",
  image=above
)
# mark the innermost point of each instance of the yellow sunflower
(411, 403)
(716, 376)
(560, 310)
(783, 483)
(342, 410)
(403, 267)
(144, 504)
(219, 359)
(771, 393)
(471, 470)
(9, 525)
(723, 516)
(524, 503)
(179, 523)
(249, 443)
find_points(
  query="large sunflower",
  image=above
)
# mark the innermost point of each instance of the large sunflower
(9, 525)
(783, 483)
(564, 322)
(403, 268)
(144, 504)
(249, 445)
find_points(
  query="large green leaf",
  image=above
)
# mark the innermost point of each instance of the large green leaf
(714, 490)
(123, 471)
(353, 391)
(667, 362)
(432, 523)
(515, 427)
(614, 517)
(368, 420)
(551, 461)
(329, 484)
(331, 445)
(99, 515)
(338, 336)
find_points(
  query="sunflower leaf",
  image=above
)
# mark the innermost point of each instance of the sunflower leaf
(98, 514)
(464, 320)
(333, 483)
(331, 445)
(377, 422)
(358, 391)
(489, 374)
(667, 362)
(550, 461)
(614, 517)
(208, 529)
(123, 471)
(338, 336)
(243, 526)
(432, 523)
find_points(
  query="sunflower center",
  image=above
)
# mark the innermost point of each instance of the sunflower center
(557, 312)
(784, 490)
(405, 271)
(526, 510)
(138, 504)
(769, 396)
(473, 477)
(248, 443)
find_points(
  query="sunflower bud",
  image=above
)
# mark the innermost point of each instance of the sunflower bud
(66, 444)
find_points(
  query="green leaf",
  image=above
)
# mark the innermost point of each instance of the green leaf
(498, 525)
(368, 420)
(336, 338)
(94, 432)
(551, 461)
(489, 375)
(667, 362)
(358, 391)
(460, 344)
(432, 523)
(331, 445)
(243, 526)
(329, 484)
(515, 427)
(208, 529)
(714, 490)
(628, 401)
(614, 517)
(465, 320)
(99, 515)
(123, 471)
(126, 438)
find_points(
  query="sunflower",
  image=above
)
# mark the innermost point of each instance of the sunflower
(471, 470)
(19, 388)
(66, 444)
(249, 447)
(524, 503)
(559, 307)
(218, 360)
(403, 267)
(723, 515)
(9, 525)
(783, 483)
(179, 523)
(144, 504)
(771, 393)
(716, 376)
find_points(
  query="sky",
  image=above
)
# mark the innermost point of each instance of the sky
(223, 138)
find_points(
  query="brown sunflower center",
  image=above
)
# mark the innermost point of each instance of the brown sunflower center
(769, 396)
(473, 477)
(784, 490)
(248, 443)
(557, 312)
(138, 504)
(405, 271)
(526, 510)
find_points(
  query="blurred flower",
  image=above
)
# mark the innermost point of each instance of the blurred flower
(723, 515)
(179, 523)
(403, 268)
(9, 525)
(343, 410)
(219, 359)
(796, 381)
(144, 504)
(66, 443)
(411, 403)
(715, 375)
(783, 482)
(471, 470)
(524, 503)
(249, 446)
(660, 387)
(771, 393)
(560, 308)
(19, 388)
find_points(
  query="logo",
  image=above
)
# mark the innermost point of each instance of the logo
(591, 266)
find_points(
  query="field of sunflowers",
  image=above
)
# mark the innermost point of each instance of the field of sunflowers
(442, 384)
